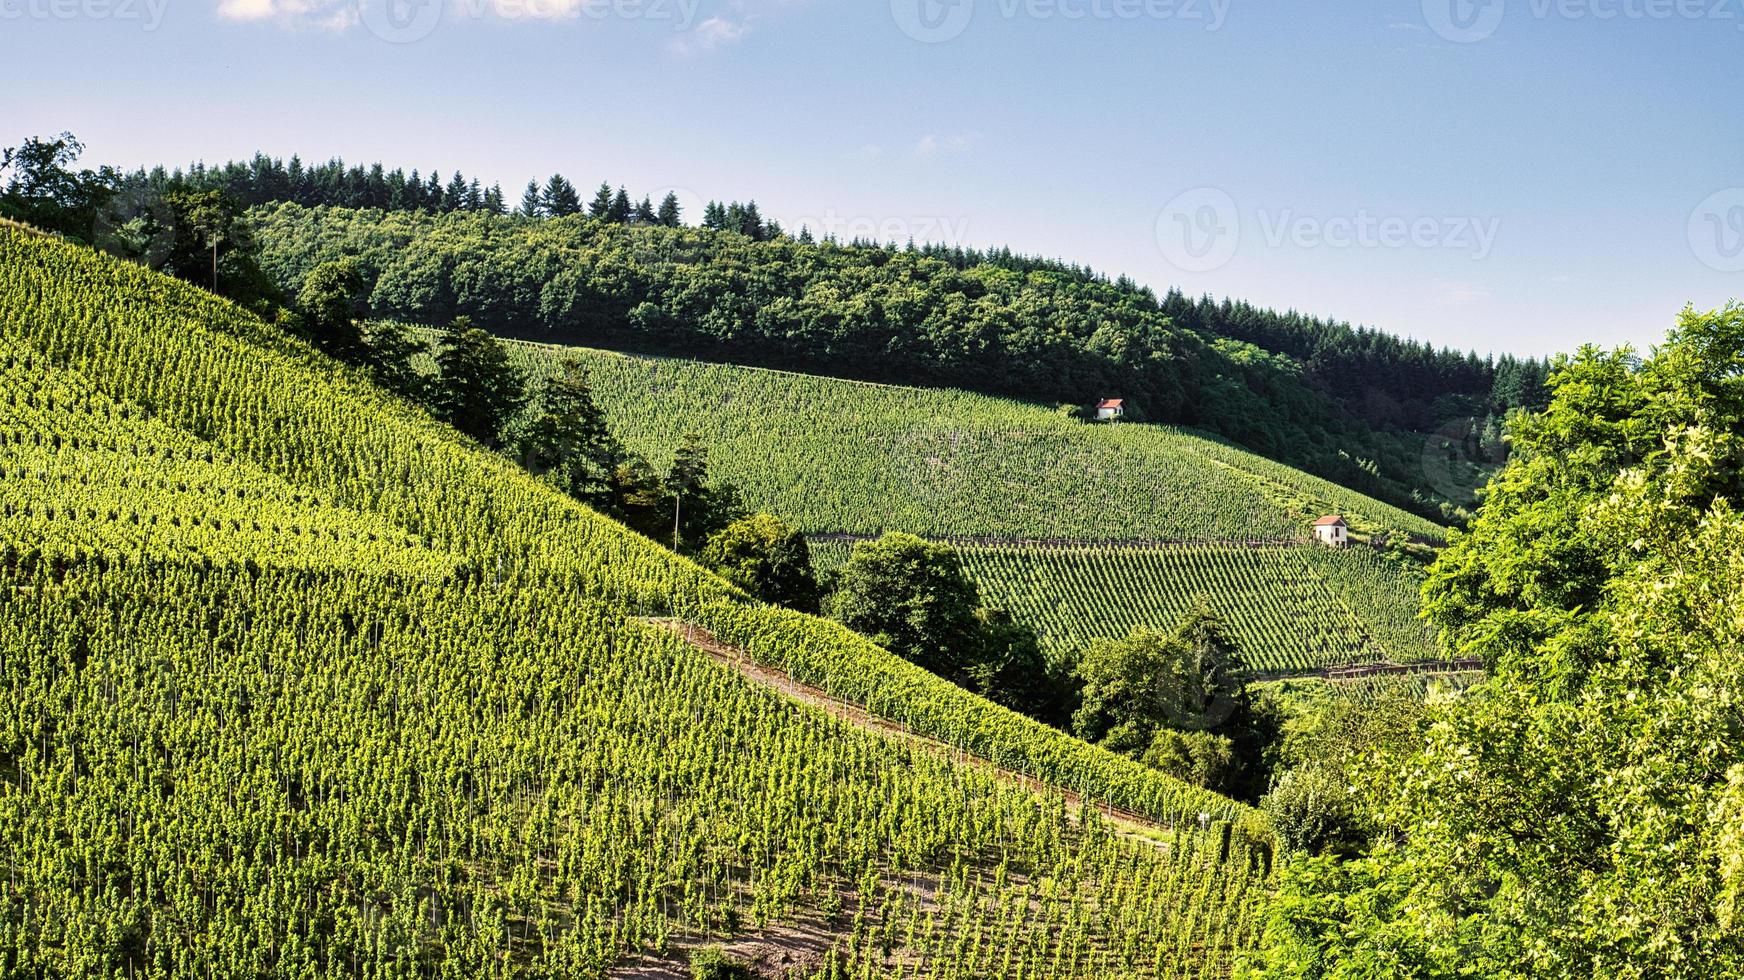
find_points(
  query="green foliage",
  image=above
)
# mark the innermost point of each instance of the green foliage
(766, 558)
(833, 455)
(353, 697)
(738, 288)
(567, 439)
(1198, 758)
(1287, 608)
(1312, 811)
(41, 189)
(331, 301)
(911, 597)
(1576, 815)
(478, 389)
(713, 963)
(1134, 688)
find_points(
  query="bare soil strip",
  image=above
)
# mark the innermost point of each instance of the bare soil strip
(1346, 673)
(1125, 822)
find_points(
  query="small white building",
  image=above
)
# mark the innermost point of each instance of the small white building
(1332, 531)
(1110, 409)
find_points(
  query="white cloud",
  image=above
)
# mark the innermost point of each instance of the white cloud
(711, 34)
(931, 145)
(333, 15)
(245, 9)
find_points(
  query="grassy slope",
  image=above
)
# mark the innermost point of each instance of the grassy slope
(844, 456)
(134, 401)
(1289, 609)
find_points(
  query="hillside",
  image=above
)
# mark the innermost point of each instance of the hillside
(1082, 530)
(837, 456)
(1038, 331)
(1288, 609)
(306, 683)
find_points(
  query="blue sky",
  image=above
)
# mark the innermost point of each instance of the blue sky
(1520, 175)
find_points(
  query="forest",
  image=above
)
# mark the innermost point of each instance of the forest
(1357, 406)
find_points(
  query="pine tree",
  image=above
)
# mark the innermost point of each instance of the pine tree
(601, 205)
(645, 212)
(560, 198)
(493, 200)
(714, 216)
(480, 388)
(569, 442)
(621, 209)
(670, 214)
(532, 205)
(454, 197)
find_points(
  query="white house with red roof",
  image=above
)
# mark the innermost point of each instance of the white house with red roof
(1110, 409)
(1332, 531)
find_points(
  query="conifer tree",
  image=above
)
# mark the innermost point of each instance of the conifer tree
(601, 205)
(569, 442)
(621, 209)
(532, 204)
(454, 197)
(560, 197)
(670, 214)
(479, 388)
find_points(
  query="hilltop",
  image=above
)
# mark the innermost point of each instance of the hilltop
(1357, 408)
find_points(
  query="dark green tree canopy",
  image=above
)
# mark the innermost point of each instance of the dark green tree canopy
(568, 440)
(912, 597)
(1578, 815)
(333, 298)
(767, 558)
(479, 387)
(1186, 678)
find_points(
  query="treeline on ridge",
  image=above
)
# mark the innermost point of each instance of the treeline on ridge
(1350, 405)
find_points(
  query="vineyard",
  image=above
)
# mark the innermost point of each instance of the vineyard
(841, 456)
(302, 683)
(1288, 609)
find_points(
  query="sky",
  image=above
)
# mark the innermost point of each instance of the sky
(1516, 176)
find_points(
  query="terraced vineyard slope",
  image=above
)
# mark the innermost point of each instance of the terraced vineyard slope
(842, 456)
(1290, 609)
(1081, 530)
(301, 683)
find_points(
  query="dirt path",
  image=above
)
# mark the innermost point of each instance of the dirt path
(1346, 673)
(1124, 822)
